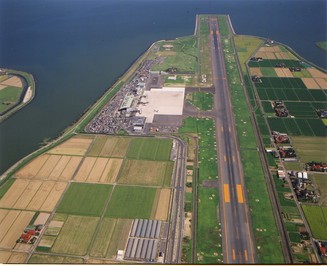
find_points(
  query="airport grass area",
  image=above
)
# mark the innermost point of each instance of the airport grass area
(208, 244)
(261, 211)
(53, 259)
(131, 202)
(85, 199)
(201, 100)
(180, 54)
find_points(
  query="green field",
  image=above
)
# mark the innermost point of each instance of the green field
(322, 45)
(85, 199)
(150, 149)
(76, 235)
(8, 97)
(321, 182)
(182, 56)
(317, 219)
(148, 173)
(131, 202)
(310, 148)
(201, 100)
(245, 47)
(54, 259)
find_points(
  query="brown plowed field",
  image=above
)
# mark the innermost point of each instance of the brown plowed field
(13, 81)
(315, 73)
(97, 170)
(255, 71)
(12, 257)
(310, 83)
(3, 214)
(13, 228)
(70, 168)
(287, 73)
(48, 167)
(322, 83)
(279, 72)
(13, 193)
(42, 218)
(261, 54)
(33, 195)
(121, 147)
(28, 194)
(163, 205)
(108, 147)
(85, 169)
(111, 171)
(41, 195)
(60, 166)
(54, 196)
(270, 55)
(33, 167)
(7, 222)
(73, 146)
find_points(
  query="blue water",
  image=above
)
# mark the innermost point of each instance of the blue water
(76, 49)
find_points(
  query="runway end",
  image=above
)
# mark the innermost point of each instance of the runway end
(226, 193)
(239, 193)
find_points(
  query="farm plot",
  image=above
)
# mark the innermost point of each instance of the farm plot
(99, 170)
(110, 147)
(50, 167)
(85, 199)
(74, 146)
(317, 219)
(33, 195)
(310, 148)
(321, 182)
(272, 63)
(150, 149)
(301, 109)
(310, 83)
(12, 226)
(131, 202)
(112, 236)
(163, 205)
(315, 73)
(76, 235)
(322, 82)
(9, 257)
(150, 173)
(13, 81)
(298, 126)
(54, 259)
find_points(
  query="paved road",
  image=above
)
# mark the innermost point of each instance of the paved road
(173, 250)
(238, 242)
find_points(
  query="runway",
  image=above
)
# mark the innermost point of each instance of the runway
(238, 245)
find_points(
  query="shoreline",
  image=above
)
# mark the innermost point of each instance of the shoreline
(78, 127)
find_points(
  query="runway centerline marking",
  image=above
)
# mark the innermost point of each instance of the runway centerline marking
(239, 190)
(226, 193)
(225, 158)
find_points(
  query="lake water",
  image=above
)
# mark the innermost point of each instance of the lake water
(76, 49)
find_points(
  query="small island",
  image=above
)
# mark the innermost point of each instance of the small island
(322, 45)
(17, 89)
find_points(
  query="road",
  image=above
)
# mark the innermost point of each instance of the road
(238, 244)
(173, 249)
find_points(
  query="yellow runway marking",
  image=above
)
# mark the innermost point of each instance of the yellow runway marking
(217, 32)
(222, 129)
(246, 255)
(225, 158)
(239, 193)
(233, 254)
(226, 193)
(229, 129)
(233, 158)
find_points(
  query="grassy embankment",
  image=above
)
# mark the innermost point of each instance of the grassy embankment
(263, 222)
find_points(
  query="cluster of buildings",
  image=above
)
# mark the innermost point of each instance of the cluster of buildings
(280, 109)
(122, 112)
(31, 234)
